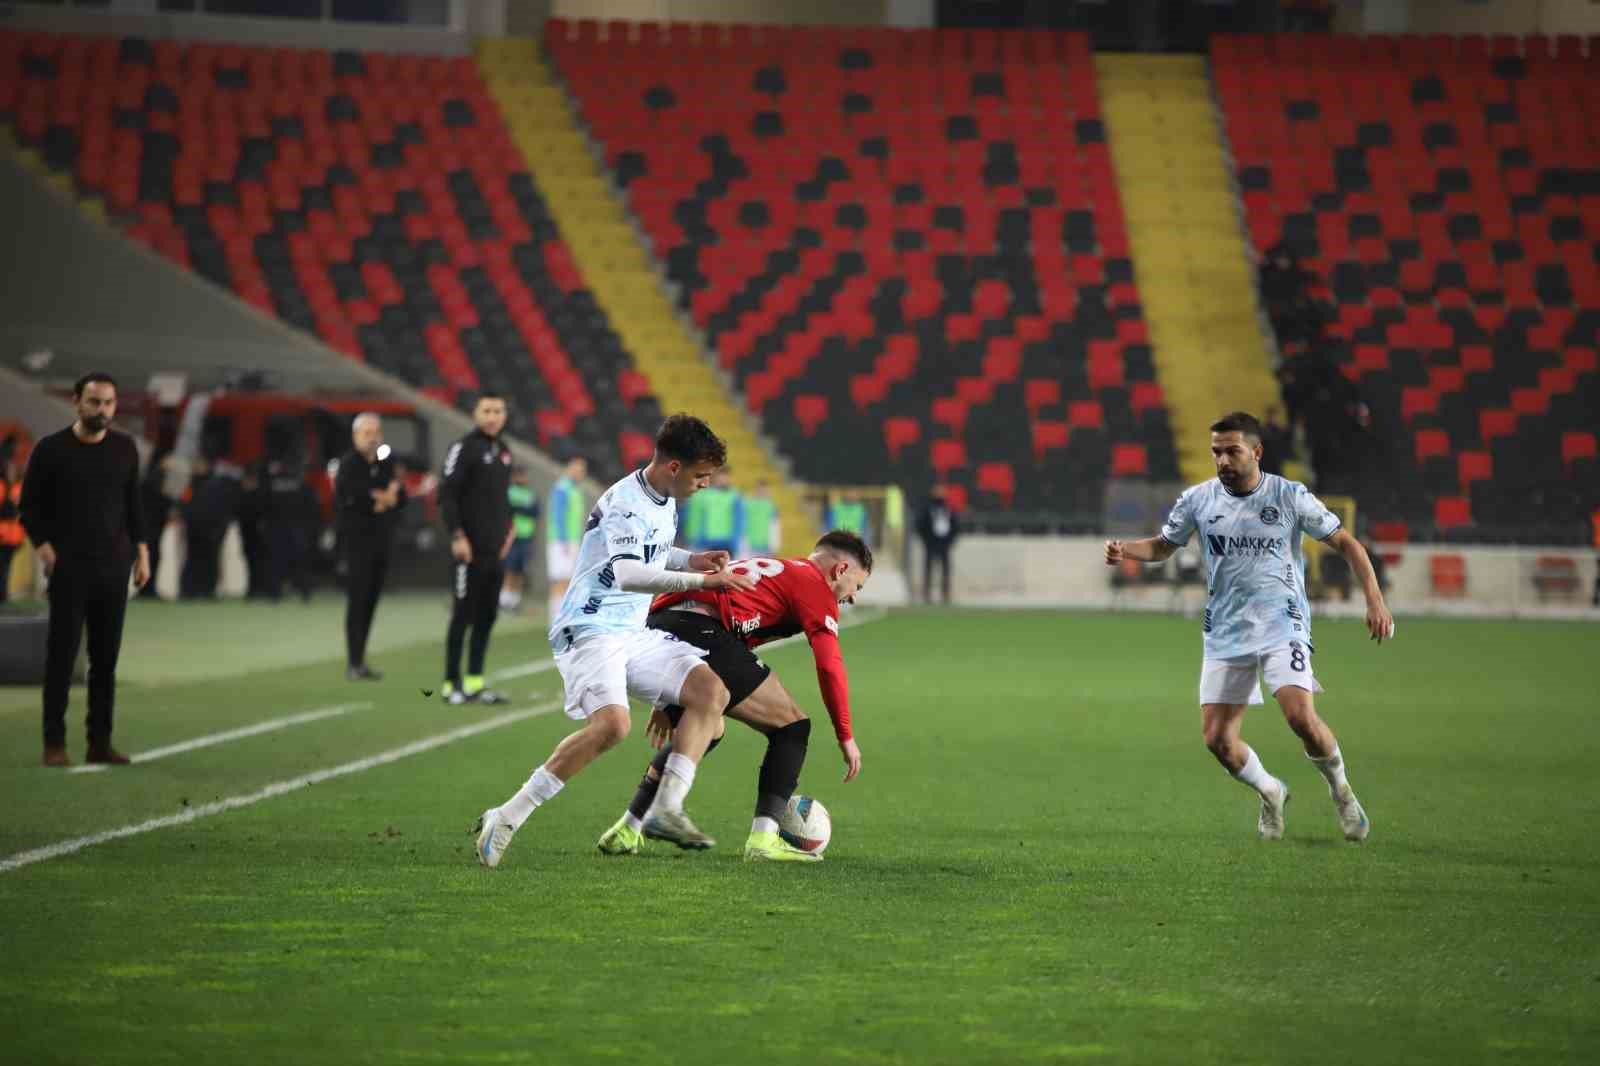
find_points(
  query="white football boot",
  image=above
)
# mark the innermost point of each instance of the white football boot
(494, 837)
(1352, 818)
(1270, 824)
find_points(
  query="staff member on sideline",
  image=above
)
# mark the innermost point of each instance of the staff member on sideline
(477, 511)
(760, 532)
(80, 506)
(524, 524)
(563, 530)
(369, 495)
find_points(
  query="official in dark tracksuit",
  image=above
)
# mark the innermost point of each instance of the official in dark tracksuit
(81, 509)
(477, 513)
(369, 495)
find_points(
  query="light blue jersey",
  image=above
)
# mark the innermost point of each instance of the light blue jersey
(1255, 568)
(631, 521)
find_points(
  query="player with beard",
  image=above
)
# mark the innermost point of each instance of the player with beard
(1257, 619)
(790, 597)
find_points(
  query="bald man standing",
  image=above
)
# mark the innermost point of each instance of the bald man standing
(369, 495)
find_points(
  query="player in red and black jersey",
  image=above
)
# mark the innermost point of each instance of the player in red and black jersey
(790, 597)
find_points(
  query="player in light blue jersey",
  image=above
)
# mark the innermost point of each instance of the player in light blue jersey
(1257, 619)
(604, 651)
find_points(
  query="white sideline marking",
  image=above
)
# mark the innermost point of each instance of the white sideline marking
(278, 788)
(271, 725)
(538, 666)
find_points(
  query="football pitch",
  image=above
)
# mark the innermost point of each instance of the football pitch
(1039, 862)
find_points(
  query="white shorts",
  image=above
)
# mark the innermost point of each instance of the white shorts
(604, 669)
(1234, 680)
(561, 560)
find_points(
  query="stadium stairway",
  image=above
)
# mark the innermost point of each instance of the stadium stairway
(1188, 249)
(607, 252)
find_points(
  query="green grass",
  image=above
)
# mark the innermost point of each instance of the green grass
(1039, 863)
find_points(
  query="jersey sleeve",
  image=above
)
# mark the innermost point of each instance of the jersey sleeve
(625, 533)
(1314, 517)
(1179, 526)
(821, 626)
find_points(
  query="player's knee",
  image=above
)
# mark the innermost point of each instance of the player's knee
(1216, 737)
(610, 727)
(708, 692)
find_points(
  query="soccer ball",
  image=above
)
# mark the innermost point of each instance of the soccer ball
(805, 824)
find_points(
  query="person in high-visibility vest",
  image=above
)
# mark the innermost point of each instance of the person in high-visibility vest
(849, 513)
(524, 523)
(760, 533)
(11, 532)
(716, 519)
(565, 515)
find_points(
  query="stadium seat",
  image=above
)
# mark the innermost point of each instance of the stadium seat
(810, 411)
(947, 455)
(999, 480)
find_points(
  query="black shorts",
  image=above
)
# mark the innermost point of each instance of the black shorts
(728, 656)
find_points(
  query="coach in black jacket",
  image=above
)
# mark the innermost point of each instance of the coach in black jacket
(369, 495)
(81, 508)
(477, 513)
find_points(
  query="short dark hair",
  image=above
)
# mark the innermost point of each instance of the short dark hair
(842, 540)
(1238, 422)
(488, 394)
(689, 440)
(93, 377)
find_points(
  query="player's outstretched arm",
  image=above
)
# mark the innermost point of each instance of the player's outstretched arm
(1380, 623)
(1148, 550)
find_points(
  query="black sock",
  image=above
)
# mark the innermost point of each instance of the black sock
(780, 770)
(645, 794)
(650, 783)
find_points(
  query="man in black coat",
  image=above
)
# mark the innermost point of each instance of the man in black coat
(81, 509)
(368, 495)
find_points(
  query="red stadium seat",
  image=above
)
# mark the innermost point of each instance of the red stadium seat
(1432, 442)
(1128, 460)
(637, 448)
(810, 410)
(947, 455)
(1578, 444)
(1474, 466)
(999, 479)
(899, 433)
(1040, 392)
(1047, 437)
(1451, 512)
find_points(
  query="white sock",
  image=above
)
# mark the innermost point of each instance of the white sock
(677, 777)
(1254, 774)
(538, 789)
(509, 601)
(632, 821)
(1332, 768)
(764, 825)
